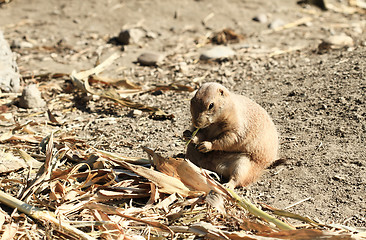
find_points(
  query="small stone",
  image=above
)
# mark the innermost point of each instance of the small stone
(338, 178)
(183, 67)
(131, 36)
(157, 93)
(150, 58)
(134, 113)
(262, 18)
(21, 44)
(335, 42)
(31, 98)
(151, 34)
(276, 23)
(339, 41)
(137, 112)
(342, 100)
(217, 52)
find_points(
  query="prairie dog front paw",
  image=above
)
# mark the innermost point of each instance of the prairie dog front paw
(204, 146)
(187, 136)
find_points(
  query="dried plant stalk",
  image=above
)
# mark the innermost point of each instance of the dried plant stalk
(42, 215)
(193, 135)
(259, 213)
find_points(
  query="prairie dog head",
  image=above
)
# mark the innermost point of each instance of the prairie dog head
(208, 104)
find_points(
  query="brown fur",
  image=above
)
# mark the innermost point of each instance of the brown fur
(237, 138)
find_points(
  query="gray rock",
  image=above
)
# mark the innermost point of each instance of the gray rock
(9, 75)
(31, 98)
(131, 36)
(150, 58)
(217, 52)
(276, 23)
(262, 18)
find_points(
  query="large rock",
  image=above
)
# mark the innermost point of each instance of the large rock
(9, 75)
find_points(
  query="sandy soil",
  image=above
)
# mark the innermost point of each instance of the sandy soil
(317, 100)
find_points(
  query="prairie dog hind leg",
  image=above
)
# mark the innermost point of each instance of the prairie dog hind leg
(237, 168)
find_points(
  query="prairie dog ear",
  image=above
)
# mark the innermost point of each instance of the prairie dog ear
(221, 91)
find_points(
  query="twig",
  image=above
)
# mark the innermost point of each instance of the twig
(40, 214)
(289, 25)
(208, 17)
(100, 68)
(296, 203)
(259, 213)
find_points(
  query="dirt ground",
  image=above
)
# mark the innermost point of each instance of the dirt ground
(317, 99)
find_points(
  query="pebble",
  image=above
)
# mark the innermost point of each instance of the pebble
(151, 34)
(183, 67)
(9, 74)
(339, 41)
(262, 18)
(135, 113)
(342, 100)
(217, 52)
(150, 58)
(131, 36)
(31, 98)
(335, 42)
(338, 178)
(21, 44)
(276, 23)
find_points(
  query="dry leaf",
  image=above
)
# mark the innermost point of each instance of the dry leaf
(8, 136)
(117, 82)
(3, 217)
(6, 117)
(225, 36)
(250, 225)
(30, 161)
(111, 229)
(166, 184)
(51, 117)
(57, 191)
(9, 163)
(118, 211)
(43, 173)
(182, 169)
(9, 231)
(307, 234)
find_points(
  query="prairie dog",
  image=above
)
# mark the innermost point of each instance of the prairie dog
(237, 138)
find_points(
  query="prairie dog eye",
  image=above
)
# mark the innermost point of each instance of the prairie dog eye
(210, 106)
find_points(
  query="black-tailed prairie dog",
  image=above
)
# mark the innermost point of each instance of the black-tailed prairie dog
(236, 139)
